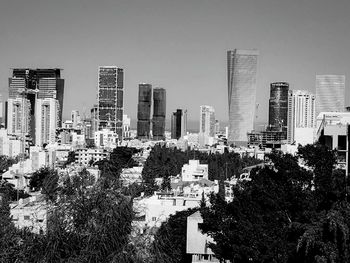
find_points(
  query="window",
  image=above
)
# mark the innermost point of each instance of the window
(154, 218)
(26, 217)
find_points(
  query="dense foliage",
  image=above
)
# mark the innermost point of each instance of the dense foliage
(286, 213)
(165, 162)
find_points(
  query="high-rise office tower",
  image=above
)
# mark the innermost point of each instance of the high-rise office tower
(178, 123)
(278, 107)
(330, 93)
(47, 120)
(301, 112)
(241, 76)
(110, 98)
(207, 121)
(159, 111)
(144, 111)
(37, 83)
(18, 116)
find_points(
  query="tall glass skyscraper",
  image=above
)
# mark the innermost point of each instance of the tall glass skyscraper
(241, 76)
(159, 110)
(330, 93)
(144, 111)
(110, 98)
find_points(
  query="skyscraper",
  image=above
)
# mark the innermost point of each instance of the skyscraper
(207, 120)
(330, 93)
(178, 123)
(278, 107)
(144, 111)
(47, 120)
(241, 77)
(110, 98)
(301, 112)
(18, 117)
(37, 83)
(159, 111)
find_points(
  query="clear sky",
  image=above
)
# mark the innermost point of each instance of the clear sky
(176, 44)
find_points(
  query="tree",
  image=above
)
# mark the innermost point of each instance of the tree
(6, 162)
(169, 245)
(90, 223)
(45, 179)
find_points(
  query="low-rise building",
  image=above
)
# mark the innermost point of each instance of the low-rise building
(194, 171)
(85, 156)
(31, 213)
(197, 242)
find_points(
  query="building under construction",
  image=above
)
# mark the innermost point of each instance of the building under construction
(30, 84)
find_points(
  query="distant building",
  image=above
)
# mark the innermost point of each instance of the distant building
(9, 145)
(126, 127)
(194, 171)
(85, 156)
(330, 93)
(332, 130)
(75, 117)
(278, 107)
(106, 139)
(46, 121)
(144, 111)
(110, 98)
(206, 125)
(94, 118)
(18, 119)
(30, 213)
(178, 124)
(301, 116)
(159, 113)
(41, 83)
(197, 242)
(241, 76)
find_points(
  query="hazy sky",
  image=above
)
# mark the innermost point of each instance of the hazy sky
(176, 44)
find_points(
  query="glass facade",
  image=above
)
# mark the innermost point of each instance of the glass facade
(241, 77)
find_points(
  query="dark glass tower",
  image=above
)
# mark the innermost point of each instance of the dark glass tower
(278, 106)
(47, 82)
(159, 110)
(144, 111)
(110, 98)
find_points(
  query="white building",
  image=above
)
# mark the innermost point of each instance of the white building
(197, 242)
(126, 127)
(206, 124)
(18, 116)
(154, 210)
(46, 120)
(301, 116)
(332, 131)
(30, 213)
(106, 139)
(84, 156)
(9, 145)
(194, 171)
(75, 118)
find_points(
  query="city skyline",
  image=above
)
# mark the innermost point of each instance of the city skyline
(175, 37)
